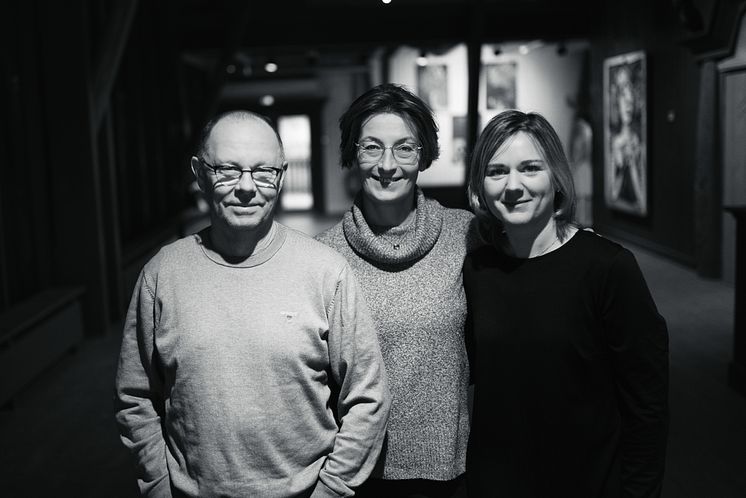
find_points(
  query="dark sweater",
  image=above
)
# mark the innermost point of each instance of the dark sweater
(570, 361)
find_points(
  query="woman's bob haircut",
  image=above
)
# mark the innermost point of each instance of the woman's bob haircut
(495, 135)
(394, 99)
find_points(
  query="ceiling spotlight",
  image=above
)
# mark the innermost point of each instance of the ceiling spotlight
(230, 68)
(421, 59)
(525, 48)
(386, 1)
(267, 100)
(270, 67)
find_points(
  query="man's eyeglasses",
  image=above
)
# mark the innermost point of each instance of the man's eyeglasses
(228, 174)
(372, 152)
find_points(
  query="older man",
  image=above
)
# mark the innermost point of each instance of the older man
(237, 337)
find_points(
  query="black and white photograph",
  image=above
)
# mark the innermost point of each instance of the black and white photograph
(500, 85)
(625, 132)
(373, 249)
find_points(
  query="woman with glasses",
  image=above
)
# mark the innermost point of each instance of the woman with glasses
(568, 352)
(407, 252)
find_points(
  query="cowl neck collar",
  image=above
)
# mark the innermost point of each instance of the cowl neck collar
(396, 245)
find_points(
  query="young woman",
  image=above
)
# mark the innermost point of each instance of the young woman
(407, 251)
(569, 353)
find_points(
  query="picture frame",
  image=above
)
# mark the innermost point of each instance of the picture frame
(625, 133)
(432, 85)
(500, 86)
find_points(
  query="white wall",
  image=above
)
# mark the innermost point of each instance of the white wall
(545, 83)
(403, 70)
(341, 87)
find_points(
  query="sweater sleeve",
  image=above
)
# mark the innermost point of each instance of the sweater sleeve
(638, 339)
(364, 400)
(139, 394)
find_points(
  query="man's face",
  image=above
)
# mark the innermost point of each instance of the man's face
(248, 144)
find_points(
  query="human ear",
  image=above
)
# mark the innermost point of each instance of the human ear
(197, 171)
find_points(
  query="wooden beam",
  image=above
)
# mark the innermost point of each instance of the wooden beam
(77, 220)
(107, 66)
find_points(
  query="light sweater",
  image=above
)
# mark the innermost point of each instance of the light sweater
(225, 373)
(416, 296)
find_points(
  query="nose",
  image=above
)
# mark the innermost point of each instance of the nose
(387, 162)
(245, 184)
(513, 187)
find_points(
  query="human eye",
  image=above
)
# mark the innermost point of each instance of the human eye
(264, 174)
(532, 168)
(371, 147)
(495, 170)
(228, 170)
(406, 148)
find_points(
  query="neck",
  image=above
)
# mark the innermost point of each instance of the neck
(232, 243)
(389, 214)
(530, 241)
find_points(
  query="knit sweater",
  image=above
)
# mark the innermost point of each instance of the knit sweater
(223, 386)
(417, 301)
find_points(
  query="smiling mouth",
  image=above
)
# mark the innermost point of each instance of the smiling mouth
(514, 204)
(385, 181)
(243, 206)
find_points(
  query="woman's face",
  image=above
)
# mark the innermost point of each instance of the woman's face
(625, 96)
(387, 179)
(517, 185)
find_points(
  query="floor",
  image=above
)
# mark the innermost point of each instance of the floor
(59, 439)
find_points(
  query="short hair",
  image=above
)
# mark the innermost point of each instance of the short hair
(394, 99)
(497, 132)
(235, 115)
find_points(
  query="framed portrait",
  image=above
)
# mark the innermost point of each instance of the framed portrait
(500, 86)
(458, 153)
(432, 85)
(625, 133)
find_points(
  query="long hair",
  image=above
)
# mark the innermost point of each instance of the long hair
(394, 99)
(497, 132)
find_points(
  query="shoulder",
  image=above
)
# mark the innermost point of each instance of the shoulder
(604, 256)
(312, 250)
(480, 257)
(333, 237)
(175, 254)
(459, 223)
(458, 217)
(596, 245)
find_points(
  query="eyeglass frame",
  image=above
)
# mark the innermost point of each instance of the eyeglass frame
(417, 148)
(250, 171)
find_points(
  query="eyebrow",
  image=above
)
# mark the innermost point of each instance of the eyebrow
(522, 163)
(400, 141)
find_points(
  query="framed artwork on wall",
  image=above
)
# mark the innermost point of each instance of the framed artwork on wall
(500, 86)
(432, 85)
(625, 133)
(458, 153)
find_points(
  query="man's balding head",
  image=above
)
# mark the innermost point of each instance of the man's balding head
(235, 116)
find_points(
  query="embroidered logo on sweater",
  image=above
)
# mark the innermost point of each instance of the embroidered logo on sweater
(289, 315)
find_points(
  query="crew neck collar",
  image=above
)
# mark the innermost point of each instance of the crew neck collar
(278, 234)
